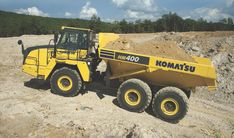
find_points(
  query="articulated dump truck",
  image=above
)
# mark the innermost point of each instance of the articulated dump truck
(164, 84)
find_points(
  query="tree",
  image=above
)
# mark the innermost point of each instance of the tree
(123, 26)
(95, 24)
(229, 21)
(189, 25)
(138, 26)
(148, 26)
(201, 25)
(18, 24)
(223, 21)
(116, 27)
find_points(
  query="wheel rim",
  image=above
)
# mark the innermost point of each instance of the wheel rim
(169, 106)
(132, 97)
(64, 83)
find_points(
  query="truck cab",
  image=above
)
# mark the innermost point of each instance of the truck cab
(72, 51)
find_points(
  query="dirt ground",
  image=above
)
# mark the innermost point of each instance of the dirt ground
(29, 109)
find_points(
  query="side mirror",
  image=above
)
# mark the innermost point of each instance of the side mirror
(55, 38)
(20, 42)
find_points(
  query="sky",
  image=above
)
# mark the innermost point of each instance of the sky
(131, 10)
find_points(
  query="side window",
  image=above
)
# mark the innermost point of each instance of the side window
(73, 44)
(68, 41)
(64, 40)
(82, 40)
(73, 39)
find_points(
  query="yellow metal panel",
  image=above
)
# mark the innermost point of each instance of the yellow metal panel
(82, 67)
(120, 75)
(32, 58)
(201, 60)
(43, 56)
(212, 87)
(78, 54)
(183, 74)
(39, 62)
(105, 38)
(46, 70)
(82, 29)
(83, 53)
(72, 55)
(31, 63)
(84, 70)
(200, 69)
(62, 54)
(30, 70)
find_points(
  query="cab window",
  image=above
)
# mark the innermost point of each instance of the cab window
(83, 39)
(73, 41)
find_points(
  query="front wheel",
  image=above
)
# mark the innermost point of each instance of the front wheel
(65, 82)
(170, 104)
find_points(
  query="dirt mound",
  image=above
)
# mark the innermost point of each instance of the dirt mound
(150, 46)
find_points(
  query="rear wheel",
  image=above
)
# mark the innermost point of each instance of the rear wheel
(134, 95)
(170, 104)
(65, 82)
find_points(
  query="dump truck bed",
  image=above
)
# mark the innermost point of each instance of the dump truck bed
(157, 70)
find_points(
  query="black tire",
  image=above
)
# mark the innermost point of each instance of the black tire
(71, 78)
(140, 91)
(176, 102)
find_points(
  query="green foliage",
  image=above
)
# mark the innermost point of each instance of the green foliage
(13, 24)
(95, 23)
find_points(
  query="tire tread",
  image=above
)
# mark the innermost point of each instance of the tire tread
(76, 75)
(142, 84)
(175, 90)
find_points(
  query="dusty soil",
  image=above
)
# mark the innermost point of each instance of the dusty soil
(29, 109)
(148, 44)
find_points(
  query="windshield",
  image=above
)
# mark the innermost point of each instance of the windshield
(73, 41)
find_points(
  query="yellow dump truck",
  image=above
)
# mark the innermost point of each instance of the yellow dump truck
(71, 63)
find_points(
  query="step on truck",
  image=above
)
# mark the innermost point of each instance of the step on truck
(162, 84)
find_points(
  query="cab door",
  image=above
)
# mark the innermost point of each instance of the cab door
(72, 46)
